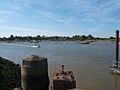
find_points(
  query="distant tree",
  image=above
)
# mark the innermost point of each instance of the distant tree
(11, 38)
(43, 37)
(4, 39)
(112, 38)
(90, 37)
(67, 38)
(19, 37)
(76, 37)
(38, 37)
(83, 37)
(97, 38)
(56, 37)
(53, 38)
(28, 38)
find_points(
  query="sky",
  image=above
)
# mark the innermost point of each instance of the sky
(99, 18)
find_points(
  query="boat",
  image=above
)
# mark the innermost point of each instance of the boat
(116, 64)
(36, 45)
(115, 70)
(83, 42)
(116, 67)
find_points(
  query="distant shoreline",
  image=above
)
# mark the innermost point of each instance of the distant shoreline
(76, 41)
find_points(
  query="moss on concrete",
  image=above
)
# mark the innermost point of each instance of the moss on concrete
(9, 75)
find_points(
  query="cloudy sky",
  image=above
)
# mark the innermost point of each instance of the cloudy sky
(59, 17)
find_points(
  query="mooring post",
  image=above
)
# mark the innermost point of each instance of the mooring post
(62, 68)
(117, 47)
(34, 73)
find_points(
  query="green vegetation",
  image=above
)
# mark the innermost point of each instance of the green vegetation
(53, 38)
(9, 75)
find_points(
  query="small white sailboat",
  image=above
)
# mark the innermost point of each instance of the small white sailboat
(36, 45)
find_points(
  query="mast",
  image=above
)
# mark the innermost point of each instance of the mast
(117, 47)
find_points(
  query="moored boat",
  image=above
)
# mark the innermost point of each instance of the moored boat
(85, 42)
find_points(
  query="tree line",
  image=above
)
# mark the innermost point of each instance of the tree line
(52, 38)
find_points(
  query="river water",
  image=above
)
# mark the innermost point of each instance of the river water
(90, 63)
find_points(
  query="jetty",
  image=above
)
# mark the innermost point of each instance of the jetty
(116, 64)
(34, 76)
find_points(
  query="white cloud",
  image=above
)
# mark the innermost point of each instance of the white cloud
(92, 10)
(68, 13)
(8, 30)
(52, 16)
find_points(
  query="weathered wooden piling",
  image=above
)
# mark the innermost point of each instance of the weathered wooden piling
(62, 69)
(117, 47)
(34, 73)
(116, 66)
(64, 80)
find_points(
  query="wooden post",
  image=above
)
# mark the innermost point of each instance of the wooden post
(117, 47)
(62, 68)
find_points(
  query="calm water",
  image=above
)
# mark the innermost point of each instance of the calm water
(90, 63)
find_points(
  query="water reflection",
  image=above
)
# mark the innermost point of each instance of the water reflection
(116, 81)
